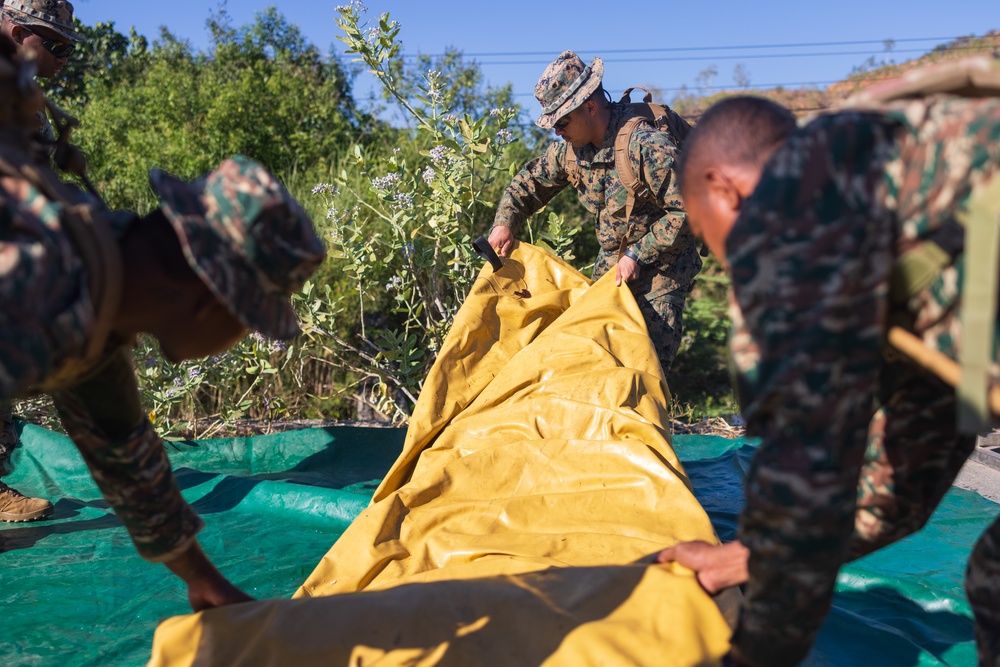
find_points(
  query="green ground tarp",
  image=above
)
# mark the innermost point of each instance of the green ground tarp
(74, 593)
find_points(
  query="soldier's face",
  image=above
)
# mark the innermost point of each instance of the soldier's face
(34, 40)
(563, 124)
(713, 200)
(210, 329)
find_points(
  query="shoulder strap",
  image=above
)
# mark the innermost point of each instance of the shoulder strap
(979, 305)
(623, 164)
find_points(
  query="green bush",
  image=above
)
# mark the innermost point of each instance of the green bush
(397, 205)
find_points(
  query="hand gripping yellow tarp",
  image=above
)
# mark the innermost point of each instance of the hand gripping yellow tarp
(515, 527)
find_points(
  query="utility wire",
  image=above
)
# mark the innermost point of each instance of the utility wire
(751, 87)
(744, 56)
(673, 49)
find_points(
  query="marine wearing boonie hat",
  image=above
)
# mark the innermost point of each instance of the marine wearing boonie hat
(56, 15)
(564, 85)
(247, 239)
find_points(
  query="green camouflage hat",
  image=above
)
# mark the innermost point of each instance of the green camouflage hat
(246, 238)
(56, 15)
(564, 85)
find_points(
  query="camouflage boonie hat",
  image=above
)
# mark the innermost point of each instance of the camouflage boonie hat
(56, 15)
(564, 85)
(246, 238)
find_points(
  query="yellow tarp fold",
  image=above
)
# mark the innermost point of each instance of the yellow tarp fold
(537, 472)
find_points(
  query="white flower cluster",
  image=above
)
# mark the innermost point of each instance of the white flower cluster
(353, 5)
(504, 137)
(428, 175)
(439, 154)
(402, 201)
(394, 284)
(386, 183)
(326, 189)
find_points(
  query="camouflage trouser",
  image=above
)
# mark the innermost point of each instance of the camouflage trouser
(661, 308)
(8, 435)
(907, 470)
(664, 320)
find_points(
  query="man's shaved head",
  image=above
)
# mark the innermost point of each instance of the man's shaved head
(722, 160)
(738, 131)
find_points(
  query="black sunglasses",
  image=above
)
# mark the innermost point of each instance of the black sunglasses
(562, 122)
(58, 49)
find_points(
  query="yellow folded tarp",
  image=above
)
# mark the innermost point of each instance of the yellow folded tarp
(537, 472)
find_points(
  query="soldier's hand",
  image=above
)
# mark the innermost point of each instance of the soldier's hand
(627, 270)
(717, 566)
(207, 587)
(501, 239)
(219, 593)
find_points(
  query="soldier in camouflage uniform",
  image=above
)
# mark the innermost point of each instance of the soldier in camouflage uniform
(221, 254)
(659, 258)
(43, 29)
(811, 223)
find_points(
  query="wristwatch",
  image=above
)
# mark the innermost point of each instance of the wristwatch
(631, 255)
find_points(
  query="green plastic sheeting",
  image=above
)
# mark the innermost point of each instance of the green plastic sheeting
(74, 593)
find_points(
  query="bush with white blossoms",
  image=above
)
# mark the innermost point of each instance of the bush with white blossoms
(406, 241)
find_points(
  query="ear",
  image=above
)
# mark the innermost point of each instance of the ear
(18, 34)
(722, 192)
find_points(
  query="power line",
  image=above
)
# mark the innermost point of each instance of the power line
(756, 86)
(744, 56)
(681, 49)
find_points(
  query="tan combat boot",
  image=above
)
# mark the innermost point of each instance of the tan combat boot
(16, 507)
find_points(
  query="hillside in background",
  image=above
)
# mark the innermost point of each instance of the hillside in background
(809, 100)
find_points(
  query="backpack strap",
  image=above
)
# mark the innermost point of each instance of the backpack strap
(627, 95)
(634, 187)
(979, 304)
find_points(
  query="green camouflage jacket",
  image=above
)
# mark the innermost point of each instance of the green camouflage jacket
(47, 317)
(660, 236)
(811, 258)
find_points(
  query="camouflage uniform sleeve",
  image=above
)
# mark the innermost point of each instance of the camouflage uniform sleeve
(653, 154)
(534, 186)
(127, 460)
(809, 257)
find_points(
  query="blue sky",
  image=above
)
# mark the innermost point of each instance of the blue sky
(697, 34)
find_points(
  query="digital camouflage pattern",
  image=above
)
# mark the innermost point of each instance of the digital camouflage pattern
(657, 233)
(246, 238)
(858, 446)
(56, 15)
(564, 85)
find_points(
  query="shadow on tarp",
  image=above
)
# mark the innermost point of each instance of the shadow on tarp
(903, 606)
(888, 628)
(74, 592)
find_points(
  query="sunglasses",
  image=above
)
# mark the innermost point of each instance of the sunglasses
(58, 49)
(562, 122)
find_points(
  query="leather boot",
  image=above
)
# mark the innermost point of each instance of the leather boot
(15, 506)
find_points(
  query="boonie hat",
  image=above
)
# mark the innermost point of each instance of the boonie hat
(56, 15)
(247, 239)
(564, 85)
